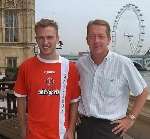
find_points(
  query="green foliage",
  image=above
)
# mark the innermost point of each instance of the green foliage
(11, 73)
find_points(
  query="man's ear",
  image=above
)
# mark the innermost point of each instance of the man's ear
(109, 40)
(58, 39)
(35, 38)
(86, 38)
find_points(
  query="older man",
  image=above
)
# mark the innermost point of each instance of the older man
(106, 78)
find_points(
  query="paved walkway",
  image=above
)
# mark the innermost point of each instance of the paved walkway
(127, 137)
(140, 130)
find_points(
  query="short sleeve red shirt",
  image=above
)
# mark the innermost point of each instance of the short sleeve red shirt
(41, 83)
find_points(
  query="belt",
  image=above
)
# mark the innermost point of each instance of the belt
(92, 118)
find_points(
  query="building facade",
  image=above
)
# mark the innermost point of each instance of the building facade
(17, 20)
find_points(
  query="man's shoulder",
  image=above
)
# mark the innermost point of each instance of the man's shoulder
(72, 65)
(120, 57)
(28, 61)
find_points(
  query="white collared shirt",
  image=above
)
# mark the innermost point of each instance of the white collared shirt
(105, 87)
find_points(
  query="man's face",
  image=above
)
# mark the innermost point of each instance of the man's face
(47, 38)
(98, 40)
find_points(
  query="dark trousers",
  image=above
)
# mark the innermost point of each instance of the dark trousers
(94, 128)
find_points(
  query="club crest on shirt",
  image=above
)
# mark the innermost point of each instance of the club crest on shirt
(50, 81)
(50, 87)
(49, 77)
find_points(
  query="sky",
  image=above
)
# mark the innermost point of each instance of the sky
(72, 17)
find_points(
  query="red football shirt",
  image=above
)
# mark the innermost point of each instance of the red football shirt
(41, 83)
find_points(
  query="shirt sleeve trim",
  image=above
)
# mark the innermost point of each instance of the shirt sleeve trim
(75, 100)
(140, 90)
(19, 95)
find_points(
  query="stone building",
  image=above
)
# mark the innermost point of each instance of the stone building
(17, 19)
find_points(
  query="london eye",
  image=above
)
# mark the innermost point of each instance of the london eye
(135, 48)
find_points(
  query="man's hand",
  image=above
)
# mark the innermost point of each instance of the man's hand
(69, 134)
(78, 119)
(123, 125)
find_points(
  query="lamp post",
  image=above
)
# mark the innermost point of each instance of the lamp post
(36, 49)
(60, 44)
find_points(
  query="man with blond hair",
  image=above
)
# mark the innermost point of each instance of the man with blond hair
(50, 84)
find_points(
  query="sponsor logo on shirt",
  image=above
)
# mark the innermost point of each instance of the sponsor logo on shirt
(48, 92)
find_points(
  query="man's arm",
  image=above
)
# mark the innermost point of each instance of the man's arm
(127, 122)
(139, 103)
(72, 121)
(21, 108)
